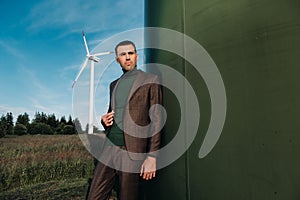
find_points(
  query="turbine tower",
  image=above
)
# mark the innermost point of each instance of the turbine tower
(92, 58)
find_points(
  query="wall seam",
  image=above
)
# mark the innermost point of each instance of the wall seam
(187, 171)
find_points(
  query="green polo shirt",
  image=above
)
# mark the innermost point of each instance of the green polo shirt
(122, 90)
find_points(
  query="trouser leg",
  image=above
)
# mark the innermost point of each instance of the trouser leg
(129, 186)
(129, 178)
(102, 183)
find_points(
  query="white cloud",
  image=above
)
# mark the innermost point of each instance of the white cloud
(58, 109)
(16, 110)
(65, 71)
(10, 47)
(45, 98)
(93, 16)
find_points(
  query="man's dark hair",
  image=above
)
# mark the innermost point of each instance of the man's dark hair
(123, 43)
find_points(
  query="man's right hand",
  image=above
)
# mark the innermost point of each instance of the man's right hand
(108, 119)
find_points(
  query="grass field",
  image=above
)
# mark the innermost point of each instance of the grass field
(44, 167)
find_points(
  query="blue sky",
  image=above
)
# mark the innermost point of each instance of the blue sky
(41, 48)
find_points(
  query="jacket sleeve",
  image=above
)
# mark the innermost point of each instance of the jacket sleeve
(157, 117)
(111, 88)
(104, 126)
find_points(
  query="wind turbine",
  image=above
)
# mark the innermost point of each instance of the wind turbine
(92, 58)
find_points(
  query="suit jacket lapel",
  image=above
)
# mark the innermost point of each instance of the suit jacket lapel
(136, 84)
(113, 99)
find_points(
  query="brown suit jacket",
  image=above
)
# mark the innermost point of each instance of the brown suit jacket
(142, 130)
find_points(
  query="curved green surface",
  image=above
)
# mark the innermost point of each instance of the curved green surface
(256, 46)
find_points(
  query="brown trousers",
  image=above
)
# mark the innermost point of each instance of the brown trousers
(105, 176)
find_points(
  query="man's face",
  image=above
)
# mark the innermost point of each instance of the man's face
(126, 57)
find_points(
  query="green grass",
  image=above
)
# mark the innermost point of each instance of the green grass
(44, 167)
(65, 189)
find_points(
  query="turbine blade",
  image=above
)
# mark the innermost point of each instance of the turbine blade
(81, 70)
(103, 53)
(85, 44)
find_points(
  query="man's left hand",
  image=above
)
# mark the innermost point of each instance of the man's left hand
(148, 168)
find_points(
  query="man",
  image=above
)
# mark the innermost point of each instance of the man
(133, 125)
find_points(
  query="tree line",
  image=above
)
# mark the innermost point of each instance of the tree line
(42, 123)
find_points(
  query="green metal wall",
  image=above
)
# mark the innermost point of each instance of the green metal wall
(256, 46)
